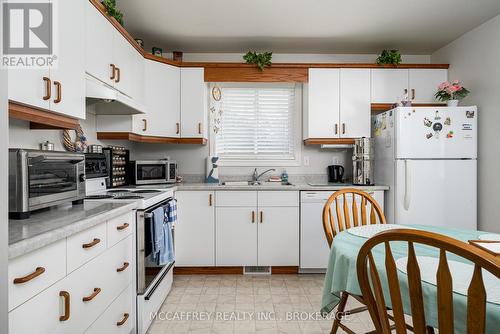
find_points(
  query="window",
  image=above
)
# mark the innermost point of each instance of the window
(258, 124)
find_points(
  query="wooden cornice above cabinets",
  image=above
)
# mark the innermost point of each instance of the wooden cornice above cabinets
(41, 119)
(149, 139)
(378, 108)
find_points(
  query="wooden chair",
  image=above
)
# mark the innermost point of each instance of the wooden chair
(338, 222)
(369, 280)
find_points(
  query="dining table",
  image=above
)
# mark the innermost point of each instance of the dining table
(341, 275)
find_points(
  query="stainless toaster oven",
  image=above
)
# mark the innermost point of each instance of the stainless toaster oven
(40, 179)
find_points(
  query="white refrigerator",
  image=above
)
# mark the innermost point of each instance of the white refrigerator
(428, 158)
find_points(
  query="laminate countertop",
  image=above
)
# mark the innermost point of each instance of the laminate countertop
(50, 225)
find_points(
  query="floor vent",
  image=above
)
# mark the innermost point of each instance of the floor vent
(254, 270)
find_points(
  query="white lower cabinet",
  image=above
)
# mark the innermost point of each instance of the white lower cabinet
(236, 236)
(195, 233)
(99, 288)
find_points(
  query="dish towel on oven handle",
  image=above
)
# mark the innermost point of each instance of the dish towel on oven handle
(157, 233)
(171, 219)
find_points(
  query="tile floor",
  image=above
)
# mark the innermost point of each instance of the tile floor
(248, 304)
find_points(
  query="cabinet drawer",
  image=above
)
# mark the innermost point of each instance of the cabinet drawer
(119, 228)
(96, 284)
(36, 271)
(119, 316)
(236, 198)
(86, 245)
(278, 198)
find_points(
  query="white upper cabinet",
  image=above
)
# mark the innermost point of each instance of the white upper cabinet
(424, 82)
(62, 88)
(194, 103)
(162, 101)
(355, 106)
(321, 104)
(388, 85)
(68, 78)
(98, 45)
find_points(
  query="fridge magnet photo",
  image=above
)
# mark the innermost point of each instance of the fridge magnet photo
(429, 135)
(437, 127)
(427, 122)
(469, 113)
(447, 121)
(437, 115)
(450, 134)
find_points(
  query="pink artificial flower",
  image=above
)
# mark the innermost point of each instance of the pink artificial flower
(443, 86)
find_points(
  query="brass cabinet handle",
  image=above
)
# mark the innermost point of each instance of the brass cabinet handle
(92, 295)
(343, 128)
(413, 93)
(67, 304)
(253, 216)
(38, 271)
(406, 91)
(122, 227)
(59, 91)
(113, 71)
(48, 88)
(117, 74)
(122, 268)
(145, 127)
(121, 322)
(336, 128)
(178, 128)
(199, 128)
(92, 243)
(210, 200)
(261, 217)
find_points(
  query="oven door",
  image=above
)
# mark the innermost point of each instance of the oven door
(148, 172)
(53, 178)
(149, 274)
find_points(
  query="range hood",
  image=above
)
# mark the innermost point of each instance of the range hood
(108, 100)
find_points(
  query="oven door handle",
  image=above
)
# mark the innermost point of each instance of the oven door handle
(158, 281)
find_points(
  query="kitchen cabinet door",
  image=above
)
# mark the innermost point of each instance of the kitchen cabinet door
(388, 85)
(424, 84)
(236, 236)
(162, 101)
(68, 78)
(321, 104)
(195, 233)
(194, 103)
(98, 44)
(130, 68)
(42, 313)
(355, 108)
(278, 236)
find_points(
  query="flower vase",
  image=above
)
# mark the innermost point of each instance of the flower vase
(452, 103)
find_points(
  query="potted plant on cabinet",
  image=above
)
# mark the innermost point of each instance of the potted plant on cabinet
(451, 93)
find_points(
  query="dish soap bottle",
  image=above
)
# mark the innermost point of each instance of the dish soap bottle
(284, 176)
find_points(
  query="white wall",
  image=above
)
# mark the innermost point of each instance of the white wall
(474, 60)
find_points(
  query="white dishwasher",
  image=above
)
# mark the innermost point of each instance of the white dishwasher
(314, 250)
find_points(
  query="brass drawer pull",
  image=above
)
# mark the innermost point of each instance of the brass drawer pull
(92, 243)
(48, 88)
(117, 74)
(343, 128)
(210, 200)
(121, 322)
(92, 295)
(59, 91)
(253, 216)
(145, 127)
(38, 271)
(122, 227)
(125, 266)
(67, 304)
(261, 217)
(113, 71)
(178, 130)
(336, 128)
(199, 128)
(413, 93)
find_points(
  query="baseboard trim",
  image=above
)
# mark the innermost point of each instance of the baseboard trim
(276, 270)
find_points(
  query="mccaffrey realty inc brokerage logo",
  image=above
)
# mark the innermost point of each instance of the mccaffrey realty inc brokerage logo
(29, 34)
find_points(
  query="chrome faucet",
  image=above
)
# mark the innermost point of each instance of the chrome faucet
(256, 176)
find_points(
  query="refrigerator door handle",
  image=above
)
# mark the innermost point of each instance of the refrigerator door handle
(407, 197)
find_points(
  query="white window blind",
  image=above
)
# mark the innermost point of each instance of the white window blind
(257, 124)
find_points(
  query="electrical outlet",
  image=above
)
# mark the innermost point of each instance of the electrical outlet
(335, 161)
(306, 161)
